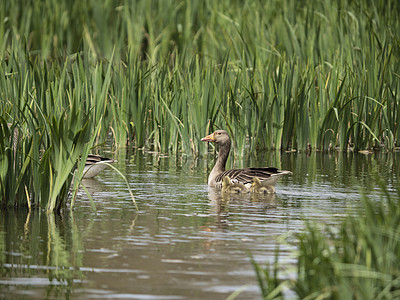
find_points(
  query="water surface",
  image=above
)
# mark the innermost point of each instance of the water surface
(187, 241)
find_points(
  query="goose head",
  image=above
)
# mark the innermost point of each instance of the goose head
(220, 137)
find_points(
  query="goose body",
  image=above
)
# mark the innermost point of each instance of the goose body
(95, 164)
(255, 180)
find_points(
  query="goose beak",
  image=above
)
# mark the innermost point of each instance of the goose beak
(208, 138)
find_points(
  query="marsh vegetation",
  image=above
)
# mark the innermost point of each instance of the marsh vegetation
(159, 75)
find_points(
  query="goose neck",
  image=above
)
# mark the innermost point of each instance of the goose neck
(223, 154)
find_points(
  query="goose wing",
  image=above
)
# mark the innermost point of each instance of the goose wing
(245, 176)
(94, 159)
(95, 164)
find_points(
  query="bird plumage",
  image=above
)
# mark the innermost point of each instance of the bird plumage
(265, 177)
(95, 164)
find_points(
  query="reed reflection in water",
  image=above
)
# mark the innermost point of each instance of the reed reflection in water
(41, 254)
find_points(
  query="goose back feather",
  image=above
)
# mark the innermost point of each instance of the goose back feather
(95, 164)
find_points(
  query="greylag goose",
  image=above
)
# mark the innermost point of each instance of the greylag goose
(255, 180)
(95, 164)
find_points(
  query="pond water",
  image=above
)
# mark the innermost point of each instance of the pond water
(186, 241)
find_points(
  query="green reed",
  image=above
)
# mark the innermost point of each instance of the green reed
(359, 259)
(285, 74)
(45, 133)
(162, 74)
